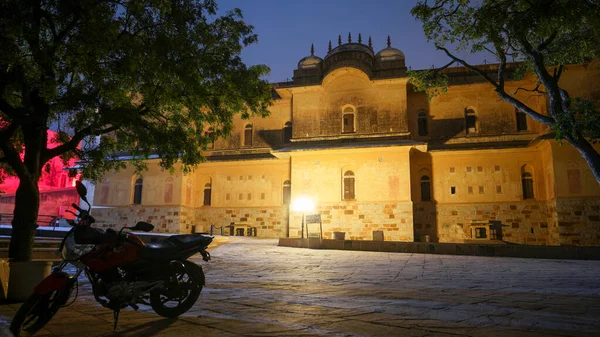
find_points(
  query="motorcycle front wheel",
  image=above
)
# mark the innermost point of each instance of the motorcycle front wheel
(35, 312)
(177, 296)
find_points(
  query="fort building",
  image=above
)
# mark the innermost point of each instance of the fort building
(375, 156)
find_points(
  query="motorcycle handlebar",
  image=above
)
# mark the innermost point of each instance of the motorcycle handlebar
(76, 207)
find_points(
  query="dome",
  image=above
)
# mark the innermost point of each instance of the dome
(309, 62)
(389, 54)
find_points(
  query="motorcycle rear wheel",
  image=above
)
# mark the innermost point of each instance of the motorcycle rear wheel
(35, 312)
(178, 295)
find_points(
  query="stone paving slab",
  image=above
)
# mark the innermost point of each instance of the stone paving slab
(255, 288)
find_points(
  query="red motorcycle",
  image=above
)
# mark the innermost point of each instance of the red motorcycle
(122, 270)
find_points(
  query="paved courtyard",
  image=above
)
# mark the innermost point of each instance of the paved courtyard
(255, 288)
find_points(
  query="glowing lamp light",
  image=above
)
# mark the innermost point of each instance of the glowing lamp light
(303, 204)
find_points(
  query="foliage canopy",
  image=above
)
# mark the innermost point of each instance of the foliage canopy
(544, 36)
(136, 76)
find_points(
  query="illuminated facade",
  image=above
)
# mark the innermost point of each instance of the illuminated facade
(373, 155)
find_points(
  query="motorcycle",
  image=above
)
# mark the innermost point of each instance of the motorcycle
(122, 270)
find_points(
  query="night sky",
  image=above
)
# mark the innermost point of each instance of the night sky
(287, 28)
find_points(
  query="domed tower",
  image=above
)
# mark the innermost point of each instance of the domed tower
(309, 69)
(389, 62)
(352, 54)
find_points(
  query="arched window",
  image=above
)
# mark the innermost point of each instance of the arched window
(348, 114)
(573, 177)
(168, 190)
(521, 120)
(287, 192)
(248, 135)
(425, 188)
(287, 132)
(527, 182)
(188, 193)
(349, 185)
(470, 121)
(210, 135)
(104, 192)
(207, 194)
(137, 191)
(422, 123)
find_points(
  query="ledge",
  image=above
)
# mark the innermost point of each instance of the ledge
(481, 249)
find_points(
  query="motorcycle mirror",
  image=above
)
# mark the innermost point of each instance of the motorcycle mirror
(143, 226)
(81, 190)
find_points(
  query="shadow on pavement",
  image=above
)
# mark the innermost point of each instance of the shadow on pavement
(153, 328)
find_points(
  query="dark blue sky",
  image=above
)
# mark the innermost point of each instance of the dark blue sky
(287, 28)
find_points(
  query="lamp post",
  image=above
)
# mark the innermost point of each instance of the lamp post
(303, 204)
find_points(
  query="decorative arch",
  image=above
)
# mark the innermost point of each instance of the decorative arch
(210, 135)
(138, 186)
(208, 193)
(168, 190)
(287, 132)
(286, 192)
(422, 121)
(105, 191)
(527, 182)
(348, 183)
(348, 118)
(471, 120)
(425, 184)
(248, 135)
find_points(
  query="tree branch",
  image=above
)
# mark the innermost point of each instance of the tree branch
(503, 94)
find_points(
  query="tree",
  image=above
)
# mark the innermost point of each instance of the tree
(144, 77)
(545, 35)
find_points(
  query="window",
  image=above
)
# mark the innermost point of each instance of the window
(470, 121)
(287, 132)
(499, 189)
(422, 123)
(249, 196)
(349, 185)
(137, 191)
(470, 189)
(188, 193)
(452, 189)
(573, 177)
(248, 135)
(425, 188)
(348, 120)
(105, 192)
(452, 170)
(168, 190)
(468, 168)
(210, 136)
(480, 232)
(207, 194)
(527, 181)
(479, 169)
(481, 190)
(497, 168)
(287, 192)
(521, 120)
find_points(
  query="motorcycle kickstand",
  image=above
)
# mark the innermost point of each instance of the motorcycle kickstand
(116, 318)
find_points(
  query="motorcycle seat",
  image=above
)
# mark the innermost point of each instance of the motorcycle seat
(167, 248)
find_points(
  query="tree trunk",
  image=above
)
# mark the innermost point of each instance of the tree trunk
(588, 153)
(27, 203)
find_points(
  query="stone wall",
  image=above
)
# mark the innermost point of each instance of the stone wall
(270, 222)
(522, 223)
(166, 219)
(578, 221)
(359, 219)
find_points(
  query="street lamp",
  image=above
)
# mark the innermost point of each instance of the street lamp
(303, 204)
